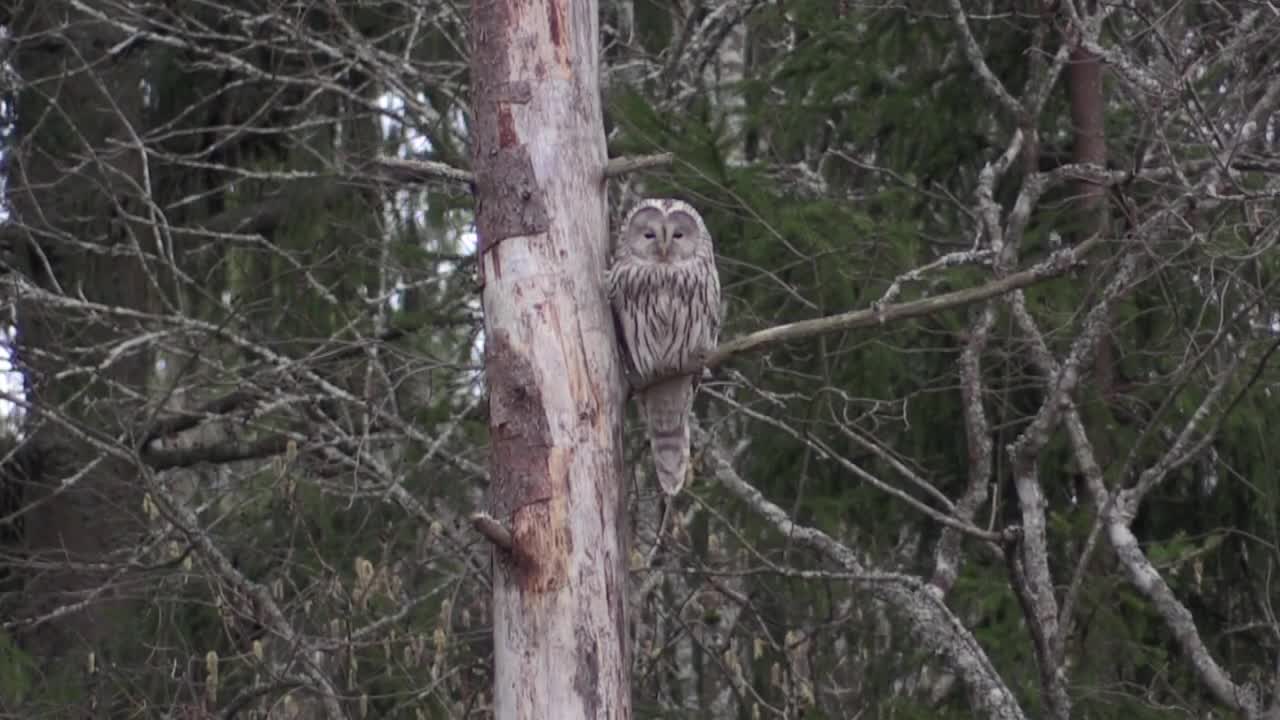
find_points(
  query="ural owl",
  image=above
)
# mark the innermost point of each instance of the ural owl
(665, 294)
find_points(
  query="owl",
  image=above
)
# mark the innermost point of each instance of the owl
(665, 293)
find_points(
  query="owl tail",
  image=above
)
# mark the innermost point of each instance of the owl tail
(667, 407)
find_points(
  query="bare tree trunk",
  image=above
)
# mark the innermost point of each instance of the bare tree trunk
(730, 69)
(1088, 108)
(555, 384)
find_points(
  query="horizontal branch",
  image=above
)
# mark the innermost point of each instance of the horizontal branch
(183, 421)
(1057, 264)
(418, 171)
(215, 454)
(620, 166)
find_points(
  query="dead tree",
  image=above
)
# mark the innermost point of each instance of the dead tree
(556, 392)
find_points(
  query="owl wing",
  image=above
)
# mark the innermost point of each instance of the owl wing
(710, 307)
(713, 307)
(618, 302)
(628, 363)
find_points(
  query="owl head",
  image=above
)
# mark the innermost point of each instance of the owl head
(665, 231)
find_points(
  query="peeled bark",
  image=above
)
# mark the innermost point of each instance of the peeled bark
(556, 390)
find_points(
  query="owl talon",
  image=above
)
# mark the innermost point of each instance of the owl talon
(699, 363)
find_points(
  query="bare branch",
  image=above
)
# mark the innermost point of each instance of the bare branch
(619, 166)
(973, 52)
(1054, 266)
(418, 171)
(931, 620)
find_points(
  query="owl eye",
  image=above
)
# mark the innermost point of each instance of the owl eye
(649, 235)
(678, 235)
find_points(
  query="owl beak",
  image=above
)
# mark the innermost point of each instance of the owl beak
(664, 246)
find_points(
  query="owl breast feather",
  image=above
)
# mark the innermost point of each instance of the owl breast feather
(664, 315)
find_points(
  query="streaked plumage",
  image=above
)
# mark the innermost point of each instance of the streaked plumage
(665, 293)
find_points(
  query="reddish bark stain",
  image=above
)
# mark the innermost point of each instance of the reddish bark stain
(519, 435)
(557, 30)
(540, 530)
(506, 128)
(554, 9)
(542, 547)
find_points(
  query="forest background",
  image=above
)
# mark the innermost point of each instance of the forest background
(1033, 475)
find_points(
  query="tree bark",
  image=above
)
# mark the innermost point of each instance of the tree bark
(1088, 108)
(556, 390)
